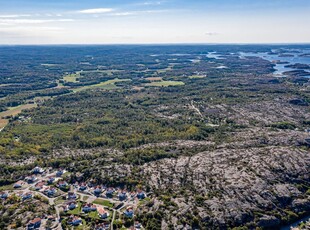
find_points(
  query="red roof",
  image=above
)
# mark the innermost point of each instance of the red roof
(35, 220)
(101, 210)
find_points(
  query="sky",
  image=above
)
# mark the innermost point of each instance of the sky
(154, 21)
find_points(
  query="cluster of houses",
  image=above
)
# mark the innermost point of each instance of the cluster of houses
(89, 208)
(50, 191)
(51, 184)
(23, 196)
(86, 208)
(109, 192)
(33, 178)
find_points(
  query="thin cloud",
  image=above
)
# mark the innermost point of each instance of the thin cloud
(31, 29)
(15, 16)
(31, 21)
(152, 3)
(96, 11)
(124, 13)
(130, 13)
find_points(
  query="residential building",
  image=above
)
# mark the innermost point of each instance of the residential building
(34, 224)
(89, 208)
(38, 170)
(74, 220)
(18, 184)
(103, 214)
(129, 212)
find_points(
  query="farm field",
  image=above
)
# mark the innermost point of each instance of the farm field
(13, 111)
(108, 85)
(165, 83)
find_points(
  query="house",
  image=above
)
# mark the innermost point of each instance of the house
(83, 187)
(122, 196)
(39, 185)
(71, 205)
(97, 191)
(129, 212)
(50, 191)
(141, 195)
(18, 184)
(138, 225)
(91, 183)
(51, 218)
(79, 176)
(31, 179)
(71, 196)
(60, 172)
(74, 220)
(37, 170)
(89, 208)
(50, 180)
(26, 196)
(103, 214)
(109, 192)
(4, 195)
(63, 185)
(34, 224)
(102, 226)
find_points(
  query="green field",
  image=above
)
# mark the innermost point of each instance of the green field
(165, 83)
(103, 202)
(72, 77)
(108, 72)
(94, 215)
(110, 84)
(59, 200)
(169, 68)
(13, 111)
(196, 77)
(6, 187)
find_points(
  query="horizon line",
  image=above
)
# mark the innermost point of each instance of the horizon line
(158, 44)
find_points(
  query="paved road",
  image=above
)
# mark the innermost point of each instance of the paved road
(113, 218)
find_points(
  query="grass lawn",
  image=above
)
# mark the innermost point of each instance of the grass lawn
(165, 83)
(72, 77)
(85, 198)
(154, 78)
(166, 69)
(94, 215)
(59, 200)
(110, 84)
(66, 174)
(196, 77)
(7, 187)
(103, 202)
